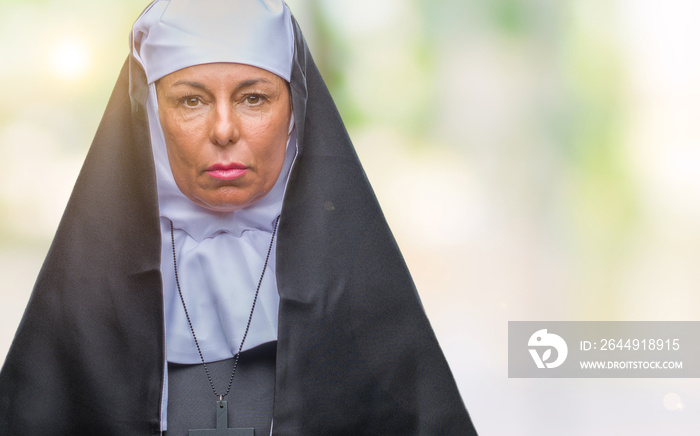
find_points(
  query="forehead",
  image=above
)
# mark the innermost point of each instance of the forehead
(221, 73)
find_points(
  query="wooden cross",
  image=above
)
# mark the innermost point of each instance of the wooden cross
(222, 425)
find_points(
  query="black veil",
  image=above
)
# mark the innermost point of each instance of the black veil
(355, 354)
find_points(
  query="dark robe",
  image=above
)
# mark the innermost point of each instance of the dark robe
(355, 352)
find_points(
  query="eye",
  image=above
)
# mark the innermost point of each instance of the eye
(191, 101)
(254, 99)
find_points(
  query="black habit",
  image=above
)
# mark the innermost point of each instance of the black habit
(355, 352)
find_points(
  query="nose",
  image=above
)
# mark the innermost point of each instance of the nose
(224, 128)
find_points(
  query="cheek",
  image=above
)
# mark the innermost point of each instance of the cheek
(275, 131)
(180, 142)
(272, 150)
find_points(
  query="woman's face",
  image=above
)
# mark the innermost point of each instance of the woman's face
(226, 128)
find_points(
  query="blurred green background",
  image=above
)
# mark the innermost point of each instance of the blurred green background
(536, 160)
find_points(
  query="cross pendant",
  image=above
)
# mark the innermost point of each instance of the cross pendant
(222, 425)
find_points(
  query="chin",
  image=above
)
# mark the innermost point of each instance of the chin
(225, 199)
(224, 205)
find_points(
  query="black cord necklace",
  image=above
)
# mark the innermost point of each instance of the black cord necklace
(222, 406)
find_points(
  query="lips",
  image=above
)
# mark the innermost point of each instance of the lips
(227, 171)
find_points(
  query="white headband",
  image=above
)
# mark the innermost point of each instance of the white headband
(174, 34)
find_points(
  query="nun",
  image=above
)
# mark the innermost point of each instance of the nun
(223, 266)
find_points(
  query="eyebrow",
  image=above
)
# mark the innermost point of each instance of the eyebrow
(242, 85)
